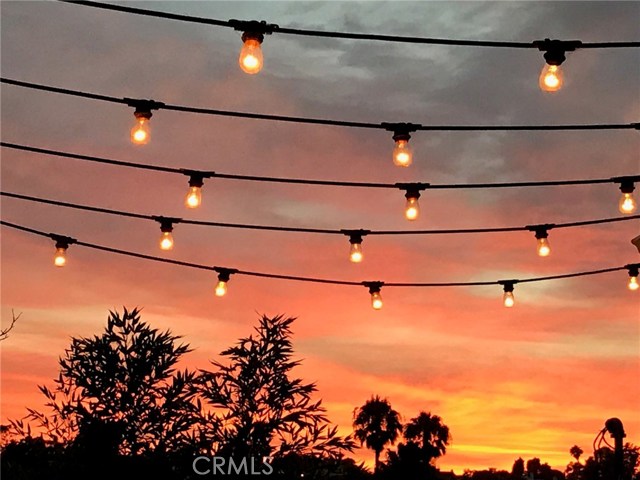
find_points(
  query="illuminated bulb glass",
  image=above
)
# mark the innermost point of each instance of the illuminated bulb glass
(194, 197)
(509, 300)
(355, 253)
(140, 133)
(166, 241)
(412, 208)
(402, 153)
(633, 283)
(221, 289)
(551, 78)
(376, 300)
(544, 249)
(627, 203)
(250, 59)
(60, 258)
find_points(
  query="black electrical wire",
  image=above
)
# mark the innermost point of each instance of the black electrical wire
(307, 279)
(320, 121)
(175, 220)
(343, 35)
(302, 181)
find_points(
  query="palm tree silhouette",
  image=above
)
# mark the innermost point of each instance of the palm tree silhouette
(429, 433)
(376, 424)
(576, 452)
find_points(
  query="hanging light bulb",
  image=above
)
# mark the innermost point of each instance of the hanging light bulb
(166, 227)
(166, 241)
(543, 248)
(508, 298)
(194, 195)
(402, 153)
(62, 244)
(60, 258)
(633, 277)
(355, 252)
(412, 207)
(141, 132)
(627, 204)
(412, 194)
(552, 78)
(355, 239)
(250, 59)
(223, 277)
(376, 296)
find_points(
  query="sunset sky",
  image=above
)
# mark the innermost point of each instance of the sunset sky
(528, 381)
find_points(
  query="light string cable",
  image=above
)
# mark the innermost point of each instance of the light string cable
(311, 279)
(347, 232)
(238, 24)
(303, 181)
(144, 107)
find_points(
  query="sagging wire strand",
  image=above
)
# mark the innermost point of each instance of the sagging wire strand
(373, 287)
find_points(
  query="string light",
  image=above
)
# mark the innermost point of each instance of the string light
(324, 121)
(141, 131)
(303, 181)
(166, 227)
(508, 298)
(376, 296)
(402, 153)
(412, 207)
(224, 274)
(355, 239)
(627, 204)
(62, 244)
(633, 277)
(194, 195)
(374, 287)
(251, 59)
(552, 78)
(542, 234)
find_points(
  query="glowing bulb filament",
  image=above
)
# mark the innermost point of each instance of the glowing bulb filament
(376, 300)
(194, 197)
(633, 283)
(140, 133)
(412, 208)
(544, 249)
(166, 241)
(402, 153)
(509, 300)
(250, 59)
(355, 253)
(221, 288)
(60, 258)
(627, 203)
(551, 78)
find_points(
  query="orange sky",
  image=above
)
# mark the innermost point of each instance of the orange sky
(529, 381)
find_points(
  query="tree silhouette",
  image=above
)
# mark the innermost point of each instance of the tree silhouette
(576, 452)
(258, 409)
(517, 471)
(376, 424)
(4, 333)
(430, 433)
(118, 393)
(408, 463)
